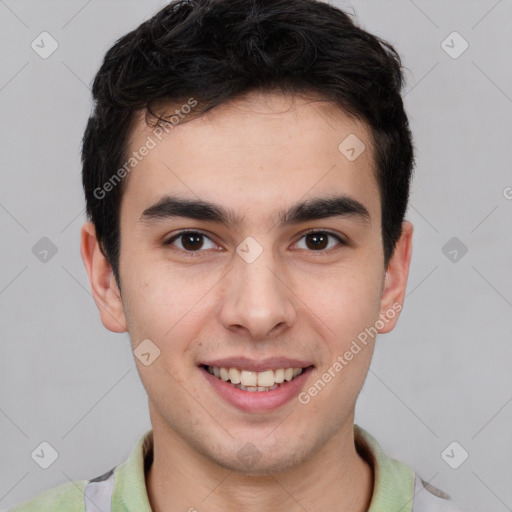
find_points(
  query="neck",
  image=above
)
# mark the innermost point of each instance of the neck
(335, 478)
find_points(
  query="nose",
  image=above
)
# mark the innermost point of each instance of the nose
(256, 298)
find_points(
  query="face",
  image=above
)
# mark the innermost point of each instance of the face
(251, 240)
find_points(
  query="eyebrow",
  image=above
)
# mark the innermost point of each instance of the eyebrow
(314, 209)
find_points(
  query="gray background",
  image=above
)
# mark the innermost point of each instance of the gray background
(442, 375)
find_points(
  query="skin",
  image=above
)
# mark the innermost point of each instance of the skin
(257, 156)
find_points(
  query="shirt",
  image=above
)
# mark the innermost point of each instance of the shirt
(397, 488)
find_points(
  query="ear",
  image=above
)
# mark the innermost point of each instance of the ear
(103, 284)
(395, 280)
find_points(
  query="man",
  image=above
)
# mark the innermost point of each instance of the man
(246, 172)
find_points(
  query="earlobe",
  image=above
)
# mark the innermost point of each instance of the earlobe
(103, 284)
(395, 280)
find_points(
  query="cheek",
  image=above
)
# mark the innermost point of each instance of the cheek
(347, 300)
(348, 309)
(167, 307)
(151, 306)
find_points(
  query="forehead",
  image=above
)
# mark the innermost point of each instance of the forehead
(265, 149)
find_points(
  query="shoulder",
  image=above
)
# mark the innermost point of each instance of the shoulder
(124, 481)
(428, 498)
(77, 496)
(396, 485)
(68, 497)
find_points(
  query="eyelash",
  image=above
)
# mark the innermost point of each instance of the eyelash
(169, 242)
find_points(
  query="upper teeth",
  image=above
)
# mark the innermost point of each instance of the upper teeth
(247, 378)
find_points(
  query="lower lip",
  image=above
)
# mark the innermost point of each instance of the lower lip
(257, 401)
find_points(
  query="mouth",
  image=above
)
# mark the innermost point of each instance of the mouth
(252, 381)
(256, 391)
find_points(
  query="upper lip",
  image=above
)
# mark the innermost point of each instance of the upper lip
(260, 365)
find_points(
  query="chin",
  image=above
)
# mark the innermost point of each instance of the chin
(250, 460)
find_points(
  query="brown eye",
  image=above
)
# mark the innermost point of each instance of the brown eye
(318, 241)
(191, 241)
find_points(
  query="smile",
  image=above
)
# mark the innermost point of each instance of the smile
(247, 380)
(256, 391)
